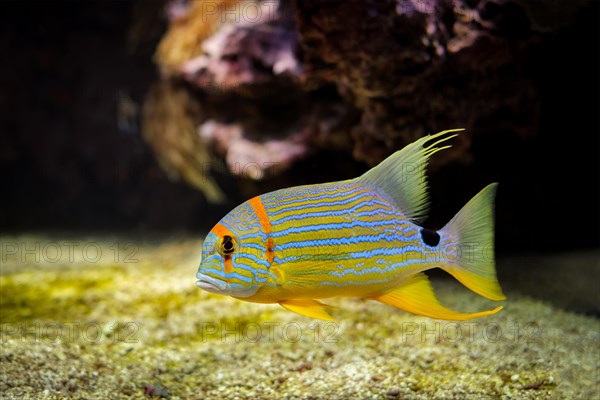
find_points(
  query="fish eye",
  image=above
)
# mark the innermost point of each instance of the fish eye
(227, 246)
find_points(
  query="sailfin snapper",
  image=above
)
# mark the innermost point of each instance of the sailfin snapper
(355, 238)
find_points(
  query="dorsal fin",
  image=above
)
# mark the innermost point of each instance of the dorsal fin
(402, 175)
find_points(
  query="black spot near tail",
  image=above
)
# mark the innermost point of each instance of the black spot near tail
(430, 237)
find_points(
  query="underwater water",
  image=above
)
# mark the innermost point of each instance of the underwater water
(118, 317)
(126, 121)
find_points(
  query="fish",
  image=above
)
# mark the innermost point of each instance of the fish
(360, 238)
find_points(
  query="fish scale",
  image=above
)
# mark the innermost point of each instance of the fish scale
(332, 212)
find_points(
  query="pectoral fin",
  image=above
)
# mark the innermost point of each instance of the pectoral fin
(308, 308)
(416, 296)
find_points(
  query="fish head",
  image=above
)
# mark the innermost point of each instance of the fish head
(233, 261)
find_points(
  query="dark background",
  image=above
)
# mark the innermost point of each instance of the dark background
(65, 165)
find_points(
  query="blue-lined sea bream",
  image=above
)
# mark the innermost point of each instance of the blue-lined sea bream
(355, 238)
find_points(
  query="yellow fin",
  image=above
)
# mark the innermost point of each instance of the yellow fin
(279, 275)
(474, 226)
(308, 308)
(402, 175)
(416, 296)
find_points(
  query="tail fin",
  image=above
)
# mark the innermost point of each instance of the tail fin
(473, 230)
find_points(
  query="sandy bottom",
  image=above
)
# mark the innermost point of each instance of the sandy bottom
(130, 323)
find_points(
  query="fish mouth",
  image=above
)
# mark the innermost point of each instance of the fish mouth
(219, 286)
(210, 284)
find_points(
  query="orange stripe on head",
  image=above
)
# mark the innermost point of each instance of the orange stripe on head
(261, 213)
(221, 231)
(228, 264)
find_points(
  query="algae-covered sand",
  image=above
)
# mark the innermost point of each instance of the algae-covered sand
(130, 323)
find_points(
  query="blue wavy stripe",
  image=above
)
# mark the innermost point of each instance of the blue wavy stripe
(374, 239)
(353, 283)
(305, 207)
(334, 226)
(389, 268)
(236, 259)
(329, 213)
(358, 254)
(276, 199)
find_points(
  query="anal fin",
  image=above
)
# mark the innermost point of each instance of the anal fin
(416, 296)
(308, 308)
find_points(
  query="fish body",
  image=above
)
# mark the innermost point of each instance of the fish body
(330, 240)
(355, 238)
